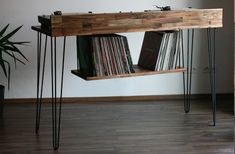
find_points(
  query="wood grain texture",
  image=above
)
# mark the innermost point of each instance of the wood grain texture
(147, 127)
(105, 23)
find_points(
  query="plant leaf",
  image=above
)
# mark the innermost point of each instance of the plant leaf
(14, 49)
(15, 58)
(13, 55)
(9, 35)
(6, 47)
(19, 43)
(3, 30)
(18, 51)
(11, 49)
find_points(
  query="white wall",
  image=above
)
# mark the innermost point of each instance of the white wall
(23, 80)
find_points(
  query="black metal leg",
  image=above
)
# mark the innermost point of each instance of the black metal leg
(211, 55)
(191, 66)
(61, 91)
(40, 77)
(52, 94)
(38, 62)
(189, 63)
(56, 110)
(180, 62)
(182, 55)
(54, 97)
(39, 44)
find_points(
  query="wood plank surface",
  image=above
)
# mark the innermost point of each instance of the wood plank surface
(145, 127)
(138, 72)
(105, 23)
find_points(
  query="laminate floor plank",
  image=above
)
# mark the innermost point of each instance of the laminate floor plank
(143, 127)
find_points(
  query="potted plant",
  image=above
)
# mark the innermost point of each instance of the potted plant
(8, 49)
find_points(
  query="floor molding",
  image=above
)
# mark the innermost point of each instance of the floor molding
(119, 98)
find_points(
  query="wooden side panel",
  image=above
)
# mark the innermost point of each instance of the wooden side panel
(88, 24)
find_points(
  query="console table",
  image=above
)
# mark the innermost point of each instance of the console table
(63, 25)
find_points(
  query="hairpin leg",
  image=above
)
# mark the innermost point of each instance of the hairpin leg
(56, 110)
(181, 44)
(187, 80)
(40, 89)
(211, 55)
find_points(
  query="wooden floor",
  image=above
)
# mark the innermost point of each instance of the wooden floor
(146, 127)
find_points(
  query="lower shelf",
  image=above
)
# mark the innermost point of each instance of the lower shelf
(138, 72)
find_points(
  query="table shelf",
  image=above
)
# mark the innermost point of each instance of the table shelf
(138, 72)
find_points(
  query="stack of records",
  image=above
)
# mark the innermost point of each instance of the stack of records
(160, 50)
(104, 55)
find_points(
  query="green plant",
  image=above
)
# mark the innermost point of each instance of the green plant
(10, 49)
